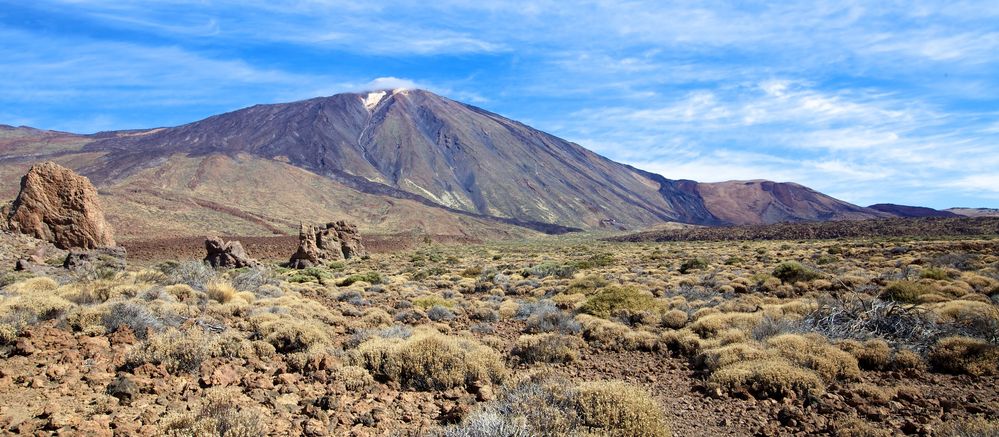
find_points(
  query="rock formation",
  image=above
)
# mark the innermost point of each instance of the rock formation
(320, 244)
(227, 254)
(57, 205)
(101, 258)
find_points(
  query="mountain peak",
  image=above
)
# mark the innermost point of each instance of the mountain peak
(414, 144)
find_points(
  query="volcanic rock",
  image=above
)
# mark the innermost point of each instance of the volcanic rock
(227, 254)
(321, 244)
(57, 205)
(101, 258)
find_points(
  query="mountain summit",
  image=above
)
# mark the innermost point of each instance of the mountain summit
(413, 145)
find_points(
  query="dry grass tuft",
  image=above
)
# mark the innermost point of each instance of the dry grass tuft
(220, 290)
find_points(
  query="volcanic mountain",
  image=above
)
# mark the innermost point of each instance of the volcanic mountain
(391, 160)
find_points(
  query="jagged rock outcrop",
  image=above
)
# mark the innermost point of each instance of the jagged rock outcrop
(223, 254)
(57, 205)
(320, 244)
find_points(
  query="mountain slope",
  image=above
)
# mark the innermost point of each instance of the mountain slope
(426, 162)
(762, 202)
(413, 141)
(911, 211)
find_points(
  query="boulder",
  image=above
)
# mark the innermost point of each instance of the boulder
(101, 258)
(227, 255)
(57, 205)
(321, 244)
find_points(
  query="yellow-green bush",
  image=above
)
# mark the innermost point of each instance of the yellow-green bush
(40, 284)
(354, 378)
(906, 291)
(290, 334)
(814, 352)
(178, 351)
(768, 378)
(675, 319)
(547, 348)
(620, 409)
(426, 302)
(611, 300)
(965, 355)
(610, 335)
(711, 324)
(430, 361)
(718, 357)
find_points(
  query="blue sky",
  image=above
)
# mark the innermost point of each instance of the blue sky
(888, 101)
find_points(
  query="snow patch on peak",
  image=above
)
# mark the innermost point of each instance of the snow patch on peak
(373, 99)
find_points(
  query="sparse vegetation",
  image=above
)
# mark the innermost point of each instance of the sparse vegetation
(455, 341)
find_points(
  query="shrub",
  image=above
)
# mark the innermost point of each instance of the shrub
(426, 302)
(767, 378)
(541, 406)
(965, 355)
(863, 318)
(472, 272)
(354, 378)
(712, 324)
(36, 285)
(718, 357)
(28, 309)
(606, 334)
(693, 264)
(545, 270)
(178, 351)
(544, 316)
(430, 361)
(873, 354)
(439, 313)
(222, 414)
(815, 353)
(856, 427)
(594, 261)
(290, 334)
(8, 278)
(612, 300)
(547, 348)
(310, 274)
(934, 273)
(252, 279)
(138, 318)
(619, 409)
(905, 291)
(587, 284)
(791, 272)
(976, 426)
(675, 319)
(370, 277)
(196, 274)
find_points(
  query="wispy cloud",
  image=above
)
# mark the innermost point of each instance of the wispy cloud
(874, 101)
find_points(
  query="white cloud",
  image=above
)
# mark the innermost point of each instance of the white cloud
(382, 83)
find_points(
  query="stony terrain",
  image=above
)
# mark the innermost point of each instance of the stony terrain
(557, 336)
(930, 227)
